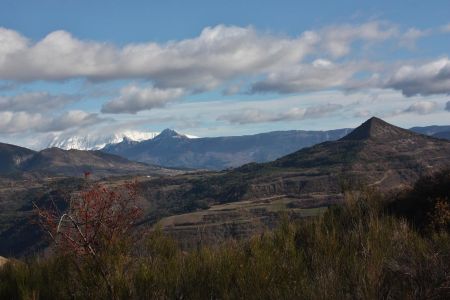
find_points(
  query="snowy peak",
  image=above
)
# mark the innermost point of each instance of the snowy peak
(96, 142)
(100, 141)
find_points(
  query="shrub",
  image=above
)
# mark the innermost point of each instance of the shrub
(354, 251)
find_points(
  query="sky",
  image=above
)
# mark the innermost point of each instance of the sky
(215, 68)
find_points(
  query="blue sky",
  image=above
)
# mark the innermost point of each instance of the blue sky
(211, 68)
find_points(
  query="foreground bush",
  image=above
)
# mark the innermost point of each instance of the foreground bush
(353, 251)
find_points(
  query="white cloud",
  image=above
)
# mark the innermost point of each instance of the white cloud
(320, 74)
(133, 99)
(11, 43)
(12, 122)
(71, 119)
(16, 122)
(422, 107)
(426, 79)
(217, 54)
(338, 39)
(254, 115)
(35, 102)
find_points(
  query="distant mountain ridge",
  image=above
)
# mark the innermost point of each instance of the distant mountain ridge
(55, 162)
(93, 141)
(11, 157)
(431, 130)
(442, 135)
(97, 142)
(176, 150)
(375, 153)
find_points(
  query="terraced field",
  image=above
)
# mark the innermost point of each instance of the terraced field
(242, 219)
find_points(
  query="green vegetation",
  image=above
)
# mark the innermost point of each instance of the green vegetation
(357, 250)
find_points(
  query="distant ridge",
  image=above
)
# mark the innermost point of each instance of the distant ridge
(375, 154)
(442, 135)
(12, 156)
(171, 149)
(59, 162)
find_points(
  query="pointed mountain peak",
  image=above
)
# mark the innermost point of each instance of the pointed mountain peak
(169, 133)
(375, 128)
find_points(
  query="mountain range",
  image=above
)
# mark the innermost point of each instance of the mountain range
(376, 153)
(233, 202)
(96, 142)
(93, 141)
(246, 200)
(57, 162)
(172, 149)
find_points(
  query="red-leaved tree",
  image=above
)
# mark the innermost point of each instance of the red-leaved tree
(97, 226)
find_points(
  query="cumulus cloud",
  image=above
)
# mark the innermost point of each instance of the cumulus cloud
(71, 119)
(35, 102)
(13, 122)
(338, 39)
(320, 74)
(422, 107)
(16, 122)
(201, 63)
(218, 53)
(251, 115)
(133, 99)
(426, 79)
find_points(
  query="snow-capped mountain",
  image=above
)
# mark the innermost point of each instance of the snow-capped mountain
(96, 142)
(99, 141)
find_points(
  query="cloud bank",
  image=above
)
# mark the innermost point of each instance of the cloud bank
(133, 99)
(26, 122)
(35, 102)
(253, 115)
(423, 79)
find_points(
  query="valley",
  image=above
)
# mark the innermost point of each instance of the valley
(206, 206)
(224, 150)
